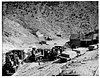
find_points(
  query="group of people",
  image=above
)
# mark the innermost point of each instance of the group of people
(50, 54)
(14, 58)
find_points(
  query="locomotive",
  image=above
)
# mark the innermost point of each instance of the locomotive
(14, 58)
(40, 54)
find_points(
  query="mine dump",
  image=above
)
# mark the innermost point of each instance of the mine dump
(50, 38)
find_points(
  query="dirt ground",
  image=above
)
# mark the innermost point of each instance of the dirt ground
(85, 65)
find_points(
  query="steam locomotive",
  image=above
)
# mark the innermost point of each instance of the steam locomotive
(16, 57)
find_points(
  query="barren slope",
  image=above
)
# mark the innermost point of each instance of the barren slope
(15, 35)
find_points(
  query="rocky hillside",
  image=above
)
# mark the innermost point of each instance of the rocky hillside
(21, 20)
(15, 36)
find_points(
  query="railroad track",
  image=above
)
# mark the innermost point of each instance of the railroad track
(47, 67)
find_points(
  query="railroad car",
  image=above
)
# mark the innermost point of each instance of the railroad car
(38, 54)
(56, 52)
(12, 60)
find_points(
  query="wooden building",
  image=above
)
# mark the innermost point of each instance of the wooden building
(75, 40)
(90, 38)
(80, 40)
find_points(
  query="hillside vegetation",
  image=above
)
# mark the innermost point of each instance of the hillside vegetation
(21, 20)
